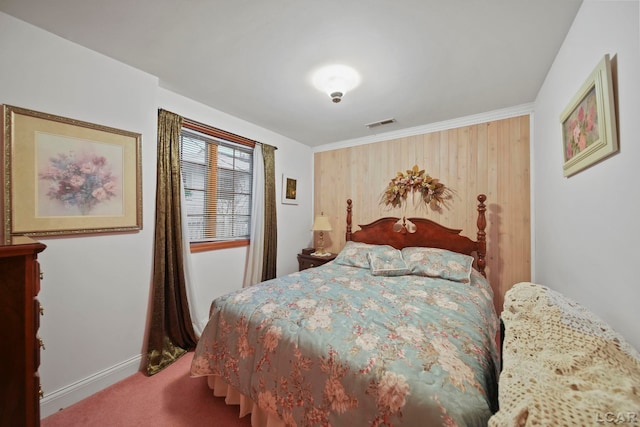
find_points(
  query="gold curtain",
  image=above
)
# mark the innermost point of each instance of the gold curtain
(171, 332)
(270, 220)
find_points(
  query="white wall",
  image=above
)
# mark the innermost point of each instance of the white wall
(587, 226)
(96, 289)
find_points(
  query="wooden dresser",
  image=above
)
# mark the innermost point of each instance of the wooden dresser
(20, 312)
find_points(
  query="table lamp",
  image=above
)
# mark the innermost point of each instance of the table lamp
(321, 224)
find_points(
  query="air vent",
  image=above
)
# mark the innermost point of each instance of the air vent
(380, 123)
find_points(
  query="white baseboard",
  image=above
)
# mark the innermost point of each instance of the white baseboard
(66, 396)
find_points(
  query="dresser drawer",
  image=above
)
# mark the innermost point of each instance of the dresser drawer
(309, 261)
(20, 310)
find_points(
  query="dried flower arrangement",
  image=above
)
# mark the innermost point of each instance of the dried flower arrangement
(432, 192)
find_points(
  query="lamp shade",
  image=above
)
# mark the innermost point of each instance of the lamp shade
(321, 223)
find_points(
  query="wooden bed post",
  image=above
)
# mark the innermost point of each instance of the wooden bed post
(348, 233)
(482, 236)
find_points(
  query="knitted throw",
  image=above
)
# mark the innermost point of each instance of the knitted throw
(562, 365)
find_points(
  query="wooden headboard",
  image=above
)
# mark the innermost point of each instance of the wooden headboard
(401, 234)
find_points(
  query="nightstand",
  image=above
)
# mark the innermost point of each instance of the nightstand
(309, 261)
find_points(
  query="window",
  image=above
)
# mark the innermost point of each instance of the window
(218, 175)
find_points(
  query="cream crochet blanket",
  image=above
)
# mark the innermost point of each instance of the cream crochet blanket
(563, 366)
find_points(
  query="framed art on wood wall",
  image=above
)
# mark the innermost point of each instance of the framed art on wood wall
(63, 176)
(289, 190)
(589, 121)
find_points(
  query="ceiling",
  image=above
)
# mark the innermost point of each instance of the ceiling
(420, 61)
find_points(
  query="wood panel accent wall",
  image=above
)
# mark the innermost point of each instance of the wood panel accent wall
(490, 158)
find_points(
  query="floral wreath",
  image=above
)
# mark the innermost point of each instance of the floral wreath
(432, 192)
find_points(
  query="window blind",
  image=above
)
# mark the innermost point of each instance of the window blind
(217, 176)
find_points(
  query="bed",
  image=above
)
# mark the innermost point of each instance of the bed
(399, 329)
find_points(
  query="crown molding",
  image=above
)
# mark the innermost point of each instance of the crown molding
(475, 119)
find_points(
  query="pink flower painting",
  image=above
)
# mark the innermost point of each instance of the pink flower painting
(79, 181)
(581, 127)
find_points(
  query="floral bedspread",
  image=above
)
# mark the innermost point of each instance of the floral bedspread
(337, 346)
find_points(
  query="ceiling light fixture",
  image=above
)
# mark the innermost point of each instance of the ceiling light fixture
(336, 80)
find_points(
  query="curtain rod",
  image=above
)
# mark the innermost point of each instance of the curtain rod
(195, 125)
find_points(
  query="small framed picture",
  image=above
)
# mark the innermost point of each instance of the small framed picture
(289, 190)
(589, 122)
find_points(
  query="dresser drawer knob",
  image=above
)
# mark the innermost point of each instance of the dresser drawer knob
(41, 310)
(41, 343)
(41, 275)
(40, 391)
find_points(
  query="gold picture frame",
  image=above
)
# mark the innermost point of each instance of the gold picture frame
(63, 176)
(589, 132)
(289, 190)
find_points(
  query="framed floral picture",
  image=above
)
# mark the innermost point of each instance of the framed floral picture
(289, 190)
(63, 176)
(589, 122)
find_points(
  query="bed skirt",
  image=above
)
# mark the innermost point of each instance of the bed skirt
(259, 417)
